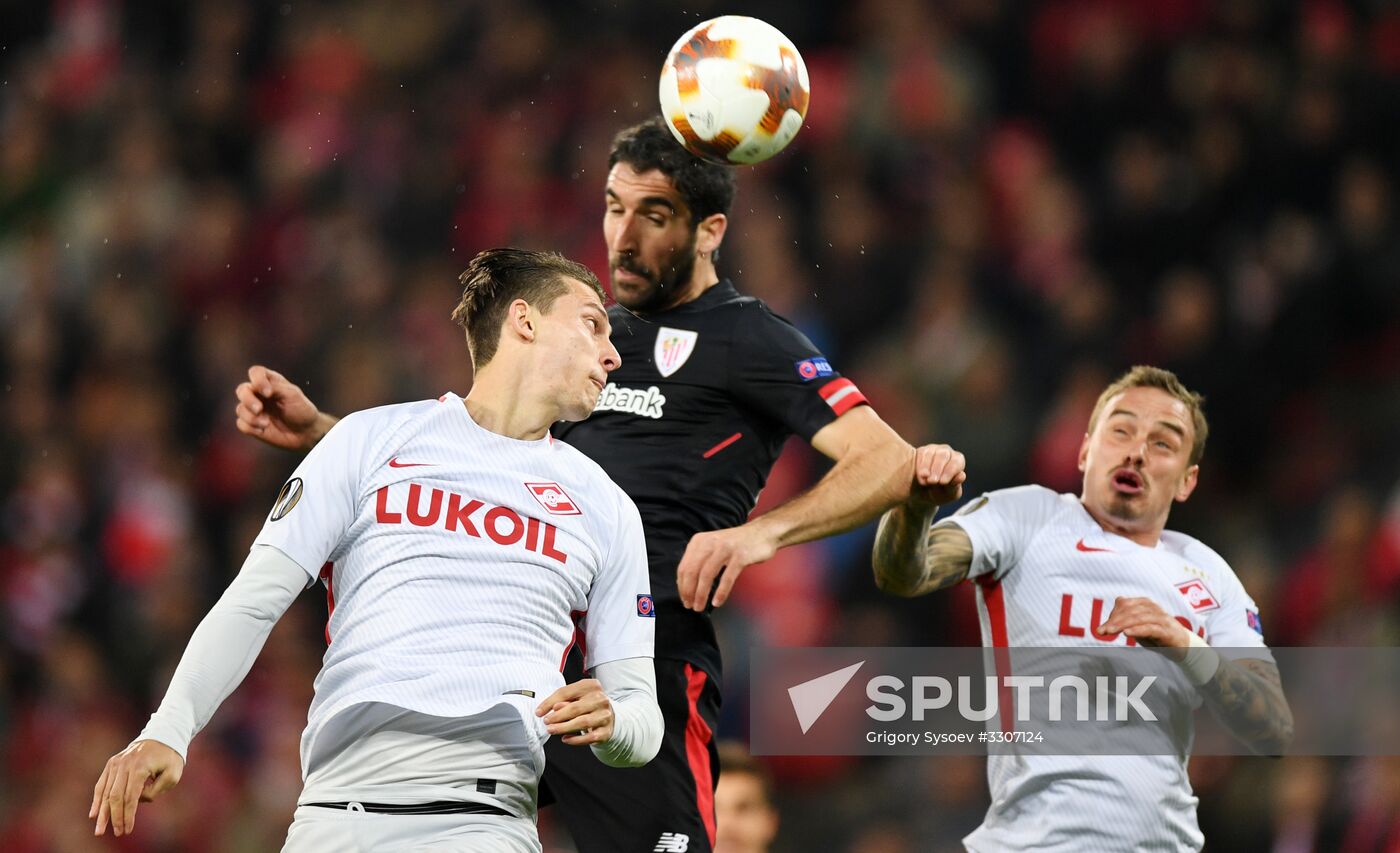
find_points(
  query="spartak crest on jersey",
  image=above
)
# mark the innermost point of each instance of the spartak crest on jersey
(673, 348)
(554, 499)
(1198, 595)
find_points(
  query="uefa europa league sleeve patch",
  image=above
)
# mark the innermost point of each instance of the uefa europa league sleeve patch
(286, 499)
(814, 368)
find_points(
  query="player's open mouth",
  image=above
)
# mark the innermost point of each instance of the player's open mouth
(1128, 482)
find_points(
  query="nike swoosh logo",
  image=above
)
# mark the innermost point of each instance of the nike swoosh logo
(395, 463)
(1082, 547)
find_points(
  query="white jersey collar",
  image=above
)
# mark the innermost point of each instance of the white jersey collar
(487, 435)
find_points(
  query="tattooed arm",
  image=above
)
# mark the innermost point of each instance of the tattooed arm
(1247, 696)
(911, 558)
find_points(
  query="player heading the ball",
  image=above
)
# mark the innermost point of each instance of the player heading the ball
(458, 544)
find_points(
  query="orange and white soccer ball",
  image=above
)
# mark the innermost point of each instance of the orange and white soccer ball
(734, 90)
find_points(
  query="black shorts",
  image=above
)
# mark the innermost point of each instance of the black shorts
(666, 805)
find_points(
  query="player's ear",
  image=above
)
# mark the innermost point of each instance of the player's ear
(520, 320)
(709, 233)
(1188, 483)
(1084, 453)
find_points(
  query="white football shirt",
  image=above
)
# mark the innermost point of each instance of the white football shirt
(458, 562)
(1046, 572)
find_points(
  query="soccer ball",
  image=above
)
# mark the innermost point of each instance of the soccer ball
(734, 90)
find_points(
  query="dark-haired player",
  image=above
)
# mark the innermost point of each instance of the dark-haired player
(711, 385)
(461, 542)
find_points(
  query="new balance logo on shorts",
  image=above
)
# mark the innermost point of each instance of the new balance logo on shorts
(672, 842)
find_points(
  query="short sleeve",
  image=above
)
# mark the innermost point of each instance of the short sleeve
(621, 618)
(776, 370)
(1236, 624)
(1001, 525)
(317, 505)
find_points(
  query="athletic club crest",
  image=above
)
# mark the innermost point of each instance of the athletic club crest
(673, 347)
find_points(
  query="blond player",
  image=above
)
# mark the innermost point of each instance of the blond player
(459, 545)
(1100, 570)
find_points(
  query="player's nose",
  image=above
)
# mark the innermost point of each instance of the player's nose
(622, 234)
(611, 359)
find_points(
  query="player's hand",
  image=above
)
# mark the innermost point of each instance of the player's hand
(939, 474)
(274, 410)
(1145, 621)
(722, 554)
(581, 712)
(137, 774)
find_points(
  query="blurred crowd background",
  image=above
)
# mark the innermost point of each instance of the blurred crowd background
(994, 208)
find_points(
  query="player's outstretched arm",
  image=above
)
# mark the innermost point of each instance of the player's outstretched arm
(276, 411)
(874, 470)
(1246, 695)
(218, 656)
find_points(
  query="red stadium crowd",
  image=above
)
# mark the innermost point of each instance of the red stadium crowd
(989, 214)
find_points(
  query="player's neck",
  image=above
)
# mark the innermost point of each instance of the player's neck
(1148, 537)
(701, 280)
(504, 408)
